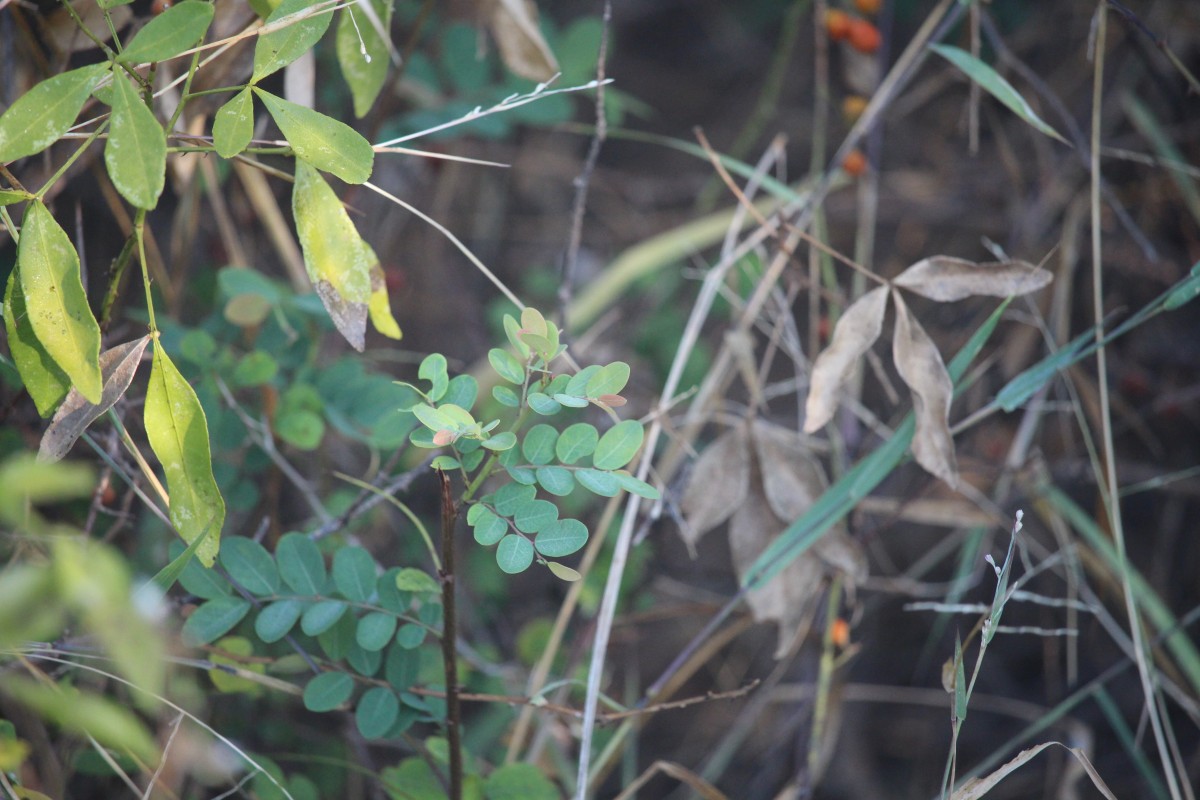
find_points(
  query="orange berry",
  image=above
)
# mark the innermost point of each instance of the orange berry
(853, 107)
(868, 6)
(837, 23)
(839, 634)
(863, 36)
(855, 163)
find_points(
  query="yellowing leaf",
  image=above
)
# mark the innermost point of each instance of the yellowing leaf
(136, 153)
(117, 366)
(718, 485)
(178, 434)
(322, 141)
(46, 383)
(54, 297)
(921, 366)
(947, 279)
(855, 332)
(337, 259)
(378, 307)
(515, 27)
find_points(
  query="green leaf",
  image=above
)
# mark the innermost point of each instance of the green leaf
(136, 152)
(410, 636)
(595, 481)
(301, 428)
(993, 83)
(45, 381)
(1014, 393)
(570, 401)
(335, 256)
(390, 597)
(363, 54)
(575, 442)
(254, 369)
(338, 640)
(445, 463)
(375, 630)
(501, 441)
(107, 722)
(249, 563)
(543, 404)
(1185, 291)
(514, 554)
(165, 578)
(377, 711)
(960, 682)
(178, 28)
(538, 446)
(506, 396)
(327, 691)
(354, 573)
(276, 620)
(609, 380)
(10, 196)
(432, 418)
(512, 330)
(233, 126)
(178, 435)
(198, 580)
(618, 445)
(321, 616)
(40, 116)
(433, 369)
(577, 385)
(561, 538)
(510, 498)
(535, 515)
(555, 480)
(506, 366)
(55, 301)
(322, 141)
(410, 579)
(461, 391)
(287, 41)
(212, 620)
(300, 564)
(519, 782)
(634, 486)
(488, 527)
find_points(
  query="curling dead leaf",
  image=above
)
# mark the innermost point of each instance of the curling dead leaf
(921, 366)
(978, 787)
(947, 279)
(853, 335)
(117, 367)
(514, 25)
(791, 596)
(791, 477)
(718, 485)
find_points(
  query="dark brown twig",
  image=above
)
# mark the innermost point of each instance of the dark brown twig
(449, 636)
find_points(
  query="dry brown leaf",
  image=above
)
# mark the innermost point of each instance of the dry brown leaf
(717, 486)
(841, 554)
(792, 479)
(788, 598)
(978, 787)
(117, 367)
(947, 279)
(514, 25)
(921, 366)
(858, 328)
(64, 31)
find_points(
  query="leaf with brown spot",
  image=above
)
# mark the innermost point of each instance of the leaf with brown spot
(921, 366)
(858, 328)
(947, 279)
(717, 486)
(514, 25)
(117, 367)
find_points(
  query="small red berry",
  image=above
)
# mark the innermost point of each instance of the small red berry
(837, 24)
(855, 163)
(863, 36)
